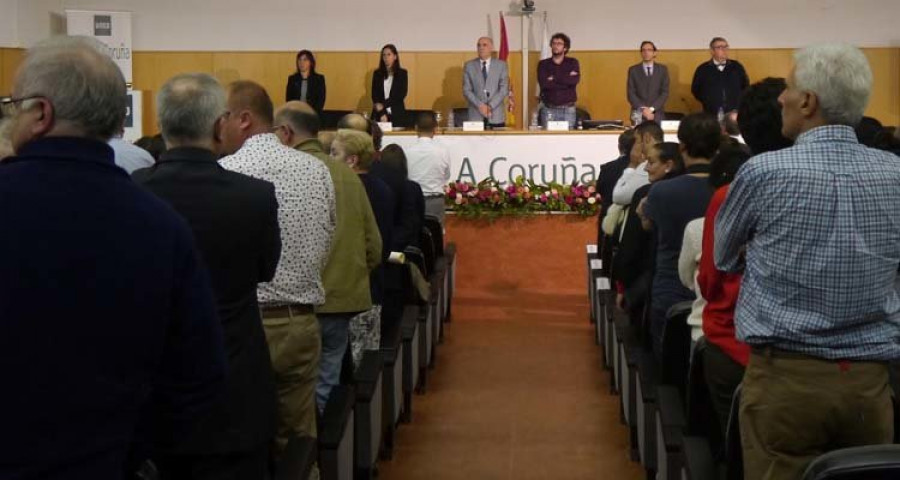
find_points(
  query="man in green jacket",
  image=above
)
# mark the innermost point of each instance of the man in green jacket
(355, 251)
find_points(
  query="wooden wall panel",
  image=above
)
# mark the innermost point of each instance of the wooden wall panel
(10, 58)
(436, 77)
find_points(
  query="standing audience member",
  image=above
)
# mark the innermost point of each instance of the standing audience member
(606, 180)
(306, 214)
(110, 341)
(718, 83)
(669, 207)
(235, 223)
(154, 145)
(129, 156)
(759, 116)
(646, 135)
(306, 85)
(558, 76)
(725, 357)
(409, 218)
(648, 85)
(428, 164)
(486, 85)
(355, 251)
(390, 84)
(816, 230)
(355, 150)
(633, 262)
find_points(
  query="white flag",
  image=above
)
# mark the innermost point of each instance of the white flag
(545, 41)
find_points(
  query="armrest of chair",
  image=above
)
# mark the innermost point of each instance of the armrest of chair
(698, 459)
(298, 458)
(334, 419)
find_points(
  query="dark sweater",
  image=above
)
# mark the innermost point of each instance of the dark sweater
(716, 89)
(108, 314)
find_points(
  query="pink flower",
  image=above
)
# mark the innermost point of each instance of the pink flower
(592, 189)
(464, 187)
(587, 194)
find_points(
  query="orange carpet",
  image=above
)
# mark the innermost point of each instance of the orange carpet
(518, 391)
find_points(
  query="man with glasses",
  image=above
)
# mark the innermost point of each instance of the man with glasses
(110, 338)
(719, 82)
(558, 76)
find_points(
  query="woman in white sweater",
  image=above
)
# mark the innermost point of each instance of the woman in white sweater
(688, 266)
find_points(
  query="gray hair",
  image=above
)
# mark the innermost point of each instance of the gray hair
(188, 106)
(80, 80)
(840, 76)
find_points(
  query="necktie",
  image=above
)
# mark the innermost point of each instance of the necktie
(484, 70)
(648, 72)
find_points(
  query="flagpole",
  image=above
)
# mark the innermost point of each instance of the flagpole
(526, 21)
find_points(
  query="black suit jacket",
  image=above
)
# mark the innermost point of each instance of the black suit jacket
(235, 223)
(315, 90)
(396, 101)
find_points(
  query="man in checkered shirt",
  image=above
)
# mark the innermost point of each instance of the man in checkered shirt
(816, 230)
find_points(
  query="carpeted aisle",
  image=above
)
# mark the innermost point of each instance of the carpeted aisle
(517, 393)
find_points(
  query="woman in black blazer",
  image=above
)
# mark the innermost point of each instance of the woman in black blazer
(389, 106)
(315, 83)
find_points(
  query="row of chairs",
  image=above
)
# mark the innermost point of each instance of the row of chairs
(673, 430)
(360, 421)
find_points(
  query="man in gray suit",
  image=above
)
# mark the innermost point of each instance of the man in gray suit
(486, 85)
(648, 85)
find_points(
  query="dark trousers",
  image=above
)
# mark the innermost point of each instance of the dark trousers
(252, 465)
(723, 375)
(795, 408)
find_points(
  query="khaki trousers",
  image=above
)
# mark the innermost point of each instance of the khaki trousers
(295, 346)
(795, 408)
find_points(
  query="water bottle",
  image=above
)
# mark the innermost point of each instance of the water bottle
(438, 116)
(721, 116)
(451, 123)
(534, 119)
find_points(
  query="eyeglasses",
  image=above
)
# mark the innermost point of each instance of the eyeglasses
(720, 47)
(10, 106)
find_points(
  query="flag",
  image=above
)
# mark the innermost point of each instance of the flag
(503, 55)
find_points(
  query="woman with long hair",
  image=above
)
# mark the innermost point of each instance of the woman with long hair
(390, 84)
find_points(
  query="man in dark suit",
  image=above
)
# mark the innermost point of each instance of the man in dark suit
(606, 182)
(235, 223)
(648, 85)
(108, 315)
(718, 83)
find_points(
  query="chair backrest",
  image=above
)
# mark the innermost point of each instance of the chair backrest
(582, 114)
(701, 421)
(734, 455)
(460, 115)
(437, 234)
(676, 347)
(330, 118)
(873, 462)
(674, 115)
(426, 241)
(417, 257)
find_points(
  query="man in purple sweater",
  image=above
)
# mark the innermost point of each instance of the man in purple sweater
(558, 76)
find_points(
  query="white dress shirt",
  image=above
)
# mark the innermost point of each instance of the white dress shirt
(130, 157)
(631, 180)
(388, 83)
(306, 215)
(429, 165)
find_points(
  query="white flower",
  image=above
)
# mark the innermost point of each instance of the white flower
(459, 196)
(592, 200)
(494, 190)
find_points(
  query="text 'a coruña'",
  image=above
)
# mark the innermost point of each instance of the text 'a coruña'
(565, 171)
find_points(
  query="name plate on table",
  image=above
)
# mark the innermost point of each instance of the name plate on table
(386, 126)
(558, 126)
(473, 126)
(592, 248)
(596, 264)
(670, 124)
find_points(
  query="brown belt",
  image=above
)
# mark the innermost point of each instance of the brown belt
(772, 352)
(286, 311)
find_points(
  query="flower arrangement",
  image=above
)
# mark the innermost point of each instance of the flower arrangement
(488, 198)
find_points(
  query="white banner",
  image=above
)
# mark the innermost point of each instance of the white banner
(111, 28)
(542, 157)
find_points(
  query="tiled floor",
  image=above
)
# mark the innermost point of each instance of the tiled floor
(517, 393)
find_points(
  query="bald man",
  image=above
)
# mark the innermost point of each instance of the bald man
(486, 85)
(355, 252)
